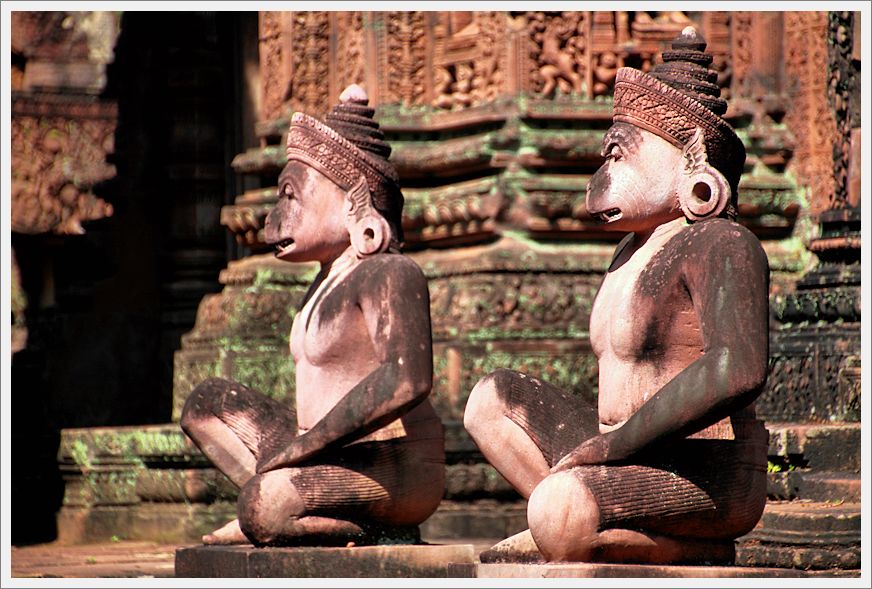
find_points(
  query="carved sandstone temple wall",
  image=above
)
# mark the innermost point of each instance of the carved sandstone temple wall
(496, 120)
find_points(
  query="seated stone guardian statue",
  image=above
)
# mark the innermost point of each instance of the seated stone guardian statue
(361, 458)
(671, 465)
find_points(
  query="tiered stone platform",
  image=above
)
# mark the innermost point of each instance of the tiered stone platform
(417, 561)
(246, 561)
(624, 571)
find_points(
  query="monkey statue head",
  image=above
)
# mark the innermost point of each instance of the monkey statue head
(669, 152)
(338, 187)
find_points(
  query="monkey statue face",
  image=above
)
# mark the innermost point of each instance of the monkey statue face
(646, 181)
(308, 222)
(637, 187)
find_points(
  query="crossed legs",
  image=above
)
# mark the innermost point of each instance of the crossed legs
(391, 483)
(685, 504)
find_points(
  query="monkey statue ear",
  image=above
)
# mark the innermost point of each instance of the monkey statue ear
(704, 193)
(369, 231)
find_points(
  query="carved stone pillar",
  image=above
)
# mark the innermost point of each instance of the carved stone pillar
(816, 352)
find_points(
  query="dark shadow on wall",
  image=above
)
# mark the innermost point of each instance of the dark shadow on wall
(107, 309)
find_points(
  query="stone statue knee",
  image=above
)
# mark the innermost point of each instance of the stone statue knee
(203, 402)
(564, 517)
(266, 504)
(486, 401)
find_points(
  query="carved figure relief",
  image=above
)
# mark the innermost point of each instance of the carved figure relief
(742, 51)
(404, 57)
(276, 65)
(56, 161)
(309, 89)
(808, 108)
(557, 52)
(604, 73)
(844, 88)
(717, 31)
(490, 66)
(468, 66)
(351, 48)
(468, 53)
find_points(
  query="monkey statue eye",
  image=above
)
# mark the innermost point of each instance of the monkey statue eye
(287, 191)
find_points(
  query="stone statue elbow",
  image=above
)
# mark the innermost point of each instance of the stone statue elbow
(413, 390)
(743, 372)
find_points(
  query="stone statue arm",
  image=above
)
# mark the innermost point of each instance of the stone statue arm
(728, 281)
(395, 304)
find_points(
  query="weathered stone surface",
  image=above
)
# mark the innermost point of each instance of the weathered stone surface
(617, 571)
(816, 462)
(804, 535)
(829, 486)
(809, 369)
(60, 151)
(358, 562)
(62, 130)
(179, 523)
(817, 446)
(113, 466)
(484, 518)
(828, 558)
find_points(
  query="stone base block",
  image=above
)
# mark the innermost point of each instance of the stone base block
(246, 561)
(583, 570)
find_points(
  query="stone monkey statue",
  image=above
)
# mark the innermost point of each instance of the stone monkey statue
(670, 466)
(361, 455)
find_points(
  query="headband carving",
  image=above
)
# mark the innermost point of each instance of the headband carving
(678, 97)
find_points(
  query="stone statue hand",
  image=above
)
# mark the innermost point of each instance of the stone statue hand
(597, 450)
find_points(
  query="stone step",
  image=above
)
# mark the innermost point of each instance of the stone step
(804, 535)
(820, 447)
(830, 486)
(586, 570)
(812, 517)
(815, 486)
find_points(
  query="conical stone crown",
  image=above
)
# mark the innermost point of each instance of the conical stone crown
(685, 68)
(353, 119)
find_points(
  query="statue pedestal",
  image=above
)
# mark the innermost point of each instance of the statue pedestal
(584, 570)
(246, 561)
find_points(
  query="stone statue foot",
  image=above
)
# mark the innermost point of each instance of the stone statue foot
(632, 546)
(325, 531)
(229, 533)
(517, 548)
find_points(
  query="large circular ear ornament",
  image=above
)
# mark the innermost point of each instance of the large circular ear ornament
(370, 235)
(706, 196)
